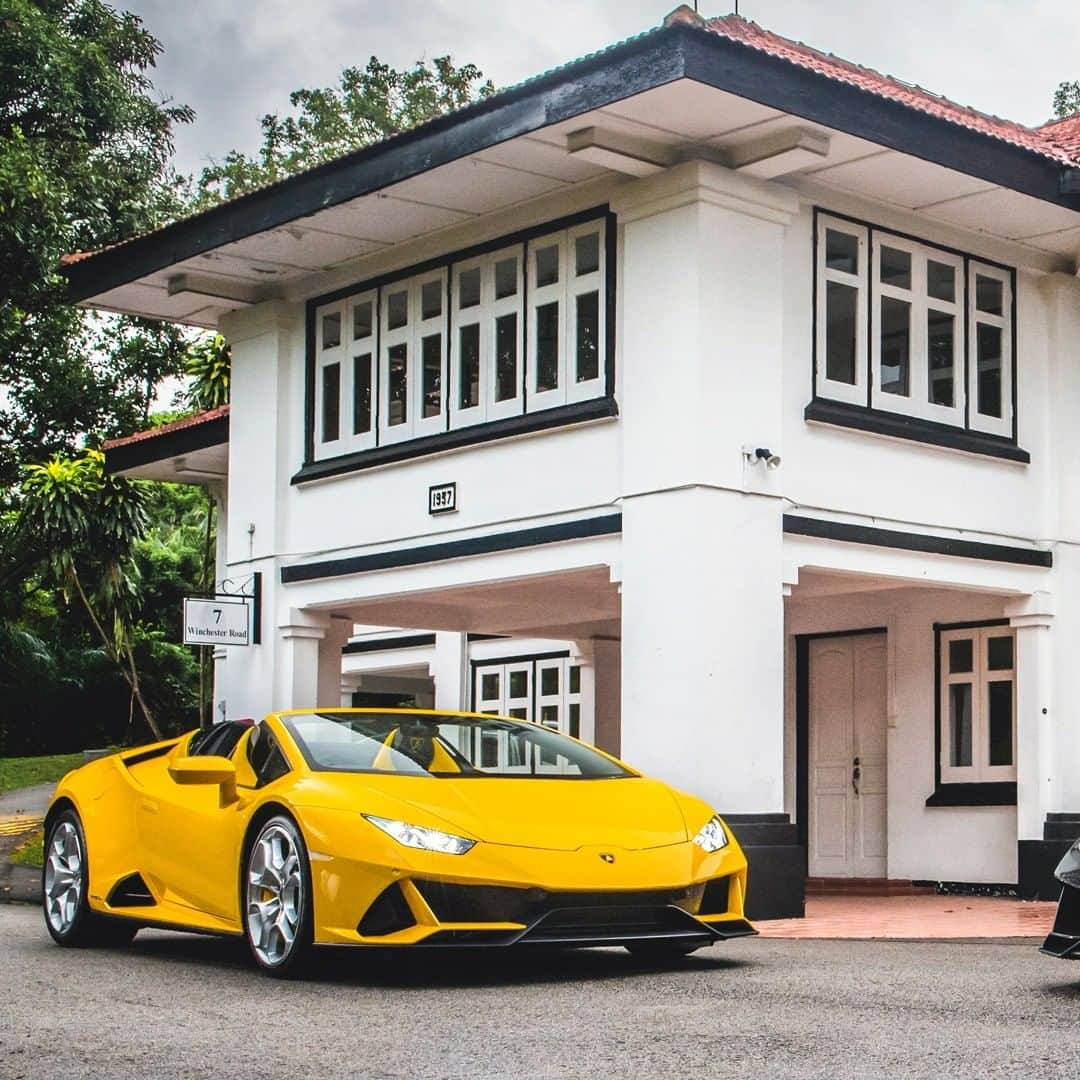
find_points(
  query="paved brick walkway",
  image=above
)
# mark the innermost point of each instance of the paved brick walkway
(865, 917)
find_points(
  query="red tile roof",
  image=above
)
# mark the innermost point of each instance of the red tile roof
(195, 420)
(1047, 141)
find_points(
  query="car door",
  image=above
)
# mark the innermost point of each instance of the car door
(191, 843)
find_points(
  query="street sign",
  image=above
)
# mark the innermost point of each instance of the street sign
(217, 621)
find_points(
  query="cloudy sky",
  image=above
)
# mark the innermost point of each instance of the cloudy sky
(234, 60)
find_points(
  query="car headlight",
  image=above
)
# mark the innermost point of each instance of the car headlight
(712, 836)
(416, 836)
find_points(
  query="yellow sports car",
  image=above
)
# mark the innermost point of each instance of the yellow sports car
(389, 828)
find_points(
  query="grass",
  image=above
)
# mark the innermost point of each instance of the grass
(19, 772)
(32, 852)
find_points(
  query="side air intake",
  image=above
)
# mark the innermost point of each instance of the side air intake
(388, 913)
(131, 891)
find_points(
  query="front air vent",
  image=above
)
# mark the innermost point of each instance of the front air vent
(716, 898)
(131, 891)
(389, 913)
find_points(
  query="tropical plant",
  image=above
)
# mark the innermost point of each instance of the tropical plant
(87, 524)
(208, 365)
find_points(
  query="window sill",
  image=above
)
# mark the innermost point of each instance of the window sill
(841, 414)
(578, 413)
(996, 794)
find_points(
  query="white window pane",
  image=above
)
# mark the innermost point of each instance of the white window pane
(841, 305)
(895, 267)
(469, 366)
(431, 299)
(331, 402)
(506, 346)
(547, 265)
(1000, 708)
(988, 358)
(941, 280)
(547, 347)
(587, 254)
(841, 251)
(398, 356)
(431, 375)
(362, 321)
(941, 343)
(469, 288)
(397, 310)
(362, 394)
(960, 701)
(331, 330)
(519, 684)
(895, 346)
(989, 295)
(588, 336)
(506, 278)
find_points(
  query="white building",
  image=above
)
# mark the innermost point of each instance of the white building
(596, 304)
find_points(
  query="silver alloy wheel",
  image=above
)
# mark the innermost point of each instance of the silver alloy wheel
(275, 894)
(63, 877)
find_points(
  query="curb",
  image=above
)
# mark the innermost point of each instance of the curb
(20, 884)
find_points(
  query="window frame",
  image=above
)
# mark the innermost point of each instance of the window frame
(524, 413)
(979, 784)
(955, 427)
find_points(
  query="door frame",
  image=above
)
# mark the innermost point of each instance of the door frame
(802, 726)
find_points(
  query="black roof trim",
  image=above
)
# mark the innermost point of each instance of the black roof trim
(822, 529)
(167, 445)
(580, 529)
(642, 63)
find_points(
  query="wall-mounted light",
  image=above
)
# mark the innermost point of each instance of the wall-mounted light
(754, 455)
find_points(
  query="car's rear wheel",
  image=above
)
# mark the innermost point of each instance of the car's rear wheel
(278, 920)
(660, 952)
(65, 879)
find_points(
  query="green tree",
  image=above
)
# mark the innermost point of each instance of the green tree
(368, 105)
(86, 525)
(85, 152)
(1067, 99)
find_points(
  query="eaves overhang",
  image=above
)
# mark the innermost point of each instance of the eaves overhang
(651, 60)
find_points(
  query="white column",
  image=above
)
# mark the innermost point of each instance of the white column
(1037, 781)
(296, 669)
(702, 575)
(329, 687)
(450, 670)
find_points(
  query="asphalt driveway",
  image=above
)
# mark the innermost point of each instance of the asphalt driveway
(175, 1005)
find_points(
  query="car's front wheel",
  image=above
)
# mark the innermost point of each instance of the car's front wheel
(65, 880)
(278, 921)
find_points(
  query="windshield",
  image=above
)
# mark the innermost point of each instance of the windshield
(424, 744)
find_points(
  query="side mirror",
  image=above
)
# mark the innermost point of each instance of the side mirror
(207, 770)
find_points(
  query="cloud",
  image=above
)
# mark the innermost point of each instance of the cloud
(234, 62)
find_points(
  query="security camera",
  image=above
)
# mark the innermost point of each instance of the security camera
(756, 454)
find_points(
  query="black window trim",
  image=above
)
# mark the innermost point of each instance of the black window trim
(898, 425)
(598, 408)
(992, 793)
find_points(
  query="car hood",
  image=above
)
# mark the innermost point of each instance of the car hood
(632, 812)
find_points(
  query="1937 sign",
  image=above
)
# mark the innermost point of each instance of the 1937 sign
(217, 621)
(442, 499)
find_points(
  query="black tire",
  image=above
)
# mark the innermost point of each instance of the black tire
(292, 903)
(663, 952)
(68, 917)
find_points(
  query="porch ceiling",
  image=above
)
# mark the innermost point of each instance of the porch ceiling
(640, 96)
(575, 605)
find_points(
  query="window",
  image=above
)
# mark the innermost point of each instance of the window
(908, 328)
(485, 337)
(978, 705)
(543, 689)
(344, 376)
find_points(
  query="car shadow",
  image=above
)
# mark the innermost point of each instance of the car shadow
(422, 969)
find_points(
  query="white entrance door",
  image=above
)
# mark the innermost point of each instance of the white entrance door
(847, 739)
